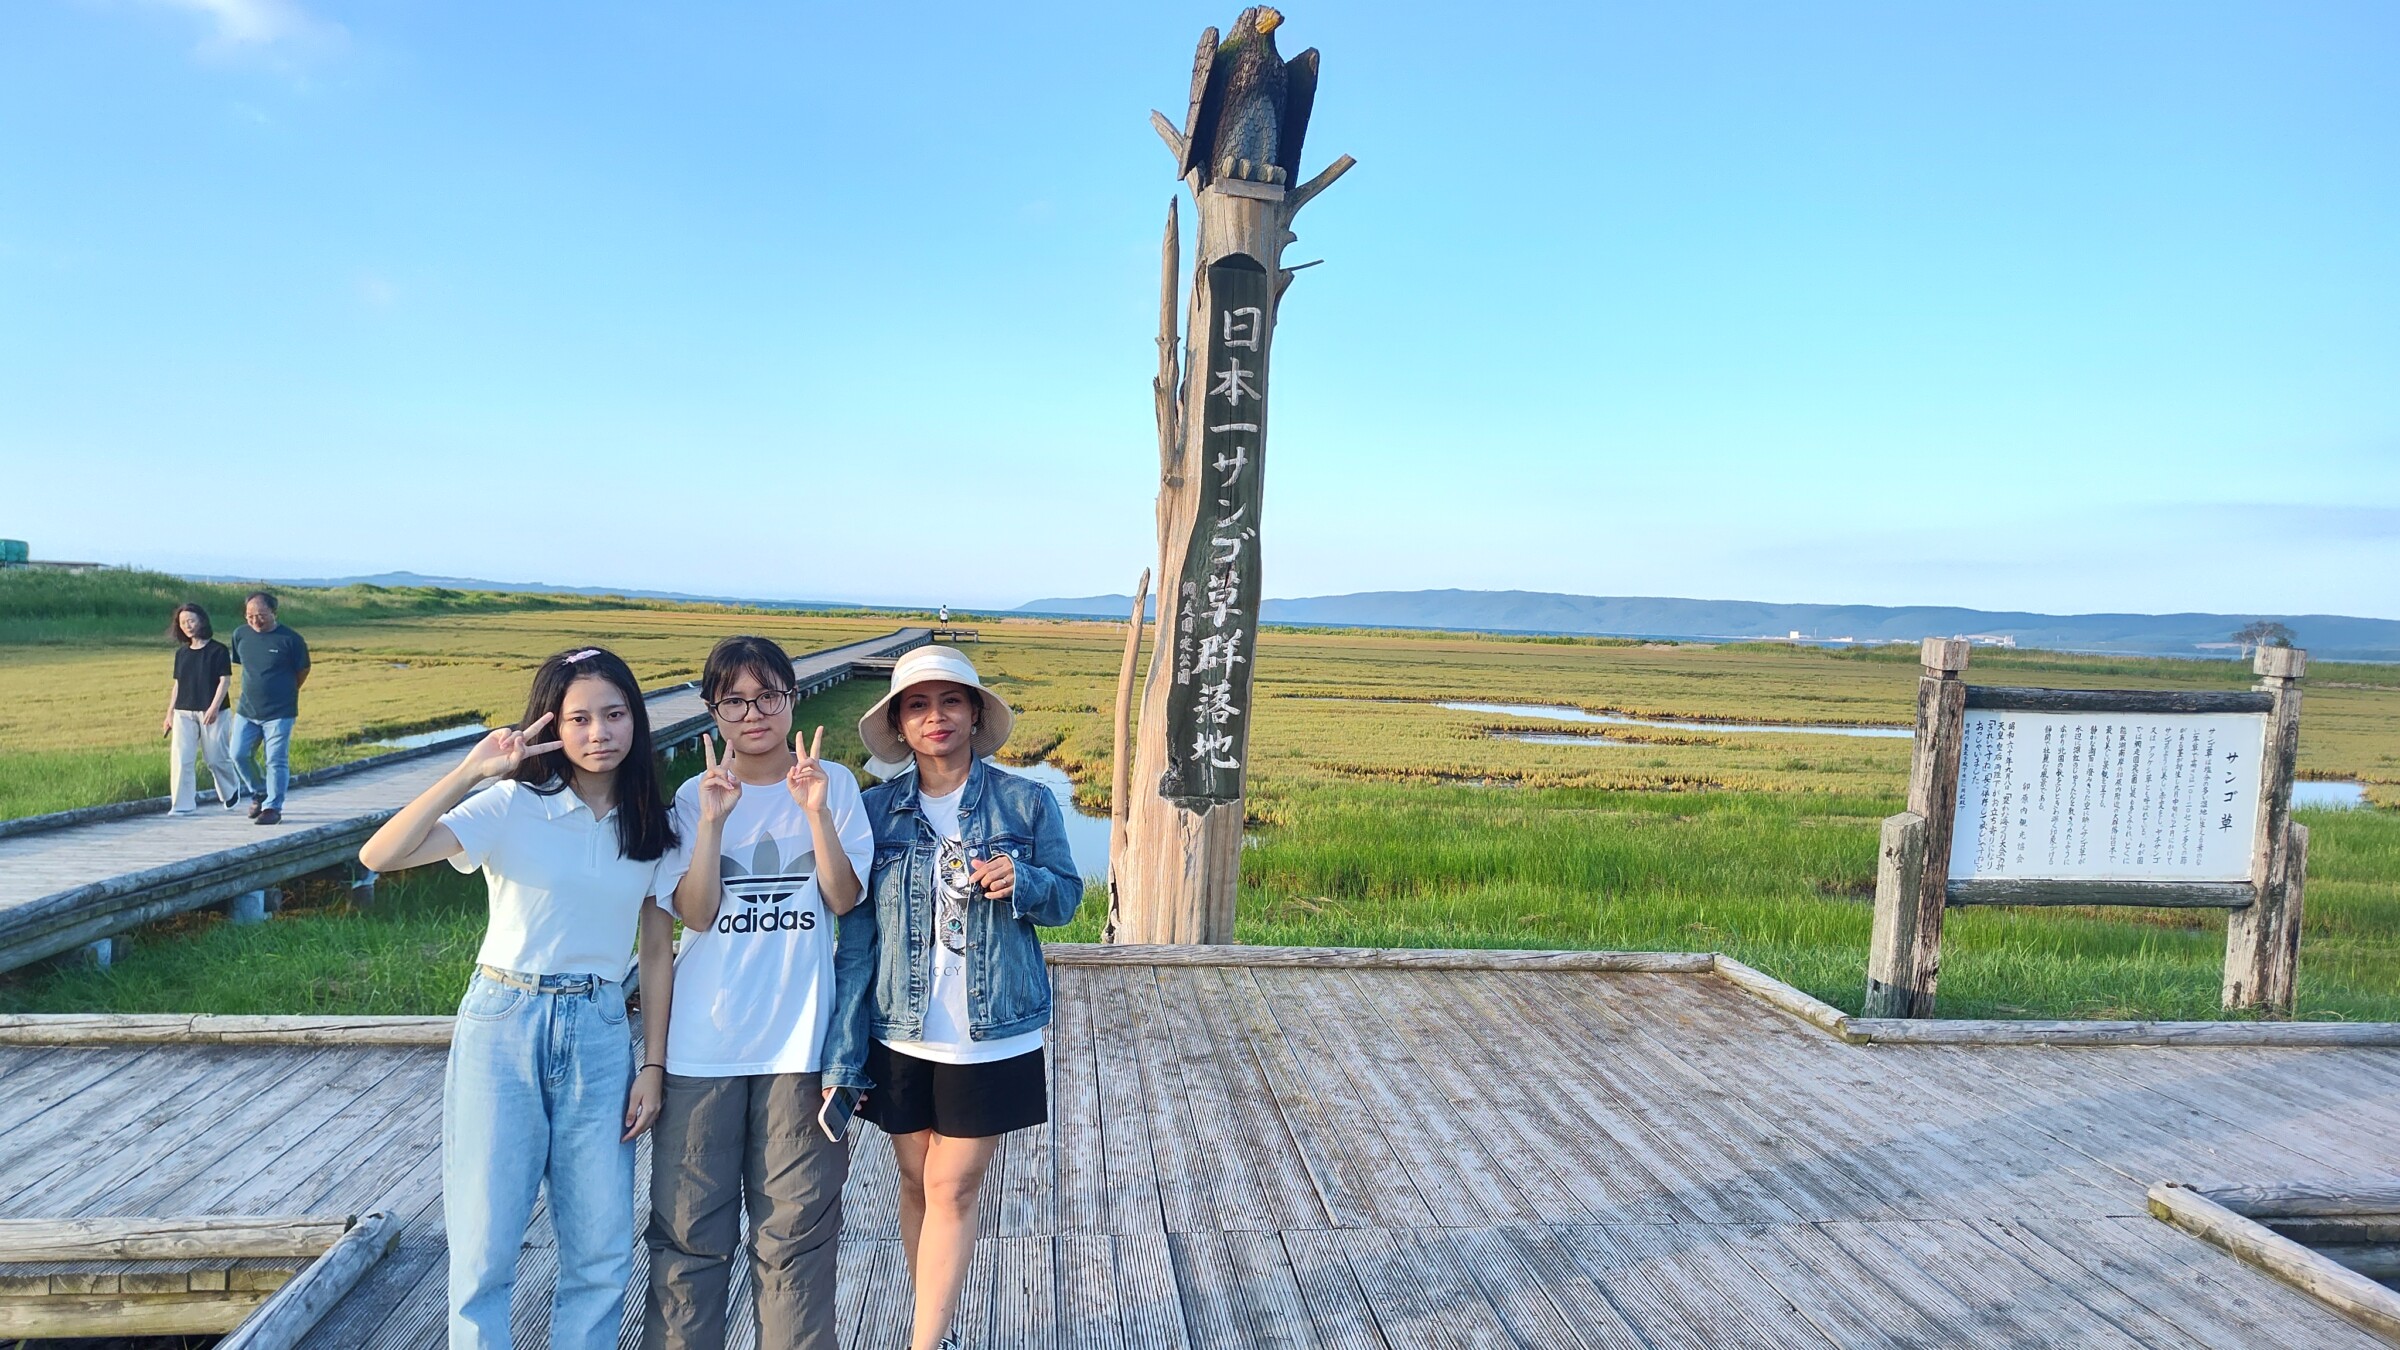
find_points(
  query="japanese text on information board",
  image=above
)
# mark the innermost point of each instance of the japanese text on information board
(2107, 796)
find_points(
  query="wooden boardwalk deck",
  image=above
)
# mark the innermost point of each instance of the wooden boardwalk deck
(62, 887)
(1259, 1156)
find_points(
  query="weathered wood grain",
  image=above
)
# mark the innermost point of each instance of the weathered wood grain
(2262, 941)
(2008, 698)
(211, 1029)
(157, 1239)
(1370, 958)
(2294, 1200)
(2154, 894)
(2355, 1296)
(1524, 1158)
(1894, 1031)
(1899, 983)
(1776, 994)
(127, 1314)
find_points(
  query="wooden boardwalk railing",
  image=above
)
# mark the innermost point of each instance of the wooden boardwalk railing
(78, 877)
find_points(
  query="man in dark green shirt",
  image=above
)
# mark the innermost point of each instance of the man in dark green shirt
(274, 662)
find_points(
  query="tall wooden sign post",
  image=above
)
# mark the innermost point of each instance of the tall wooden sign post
(1239, 152)
(2096, 797)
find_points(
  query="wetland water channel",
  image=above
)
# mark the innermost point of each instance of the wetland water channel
(1557, 712)
(2317, 795)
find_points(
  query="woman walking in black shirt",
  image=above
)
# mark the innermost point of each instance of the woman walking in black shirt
(196, 723)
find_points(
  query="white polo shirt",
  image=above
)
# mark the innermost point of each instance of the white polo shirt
(563, 901)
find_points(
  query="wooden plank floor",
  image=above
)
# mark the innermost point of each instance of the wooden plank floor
(1247, 1156)
(37, 865)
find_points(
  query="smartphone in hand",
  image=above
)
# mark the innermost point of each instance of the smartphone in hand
(834, 1117)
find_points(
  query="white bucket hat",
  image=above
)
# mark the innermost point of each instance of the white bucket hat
(926, 665)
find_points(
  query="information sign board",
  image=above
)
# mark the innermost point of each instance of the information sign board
(2107, 796)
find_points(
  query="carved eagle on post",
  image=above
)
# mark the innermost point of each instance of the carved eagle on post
(1250, 107)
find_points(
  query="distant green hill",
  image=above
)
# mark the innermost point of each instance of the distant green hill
(2327, 636)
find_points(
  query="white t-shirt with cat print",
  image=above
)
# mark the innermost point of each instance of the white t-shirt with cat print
(947, 1039)
(754, 990)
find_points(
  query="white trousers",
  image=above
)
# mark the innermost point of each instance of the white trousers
(194, 738)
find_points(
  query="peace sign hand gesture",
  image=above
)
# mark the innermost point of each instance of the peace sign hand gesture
(504, 748)
(807, 778)
(720, 791)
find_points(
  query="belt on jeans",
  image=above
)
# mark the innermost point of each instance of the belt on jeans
(556, 984)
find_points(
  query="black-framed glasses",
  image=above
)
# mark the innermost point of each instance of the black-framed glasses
(735, 708)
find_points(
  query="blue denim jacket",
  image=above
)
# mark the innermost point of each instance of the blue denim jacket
(891, 955)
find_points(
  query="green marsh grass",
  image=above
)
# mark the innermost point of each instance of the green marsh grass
(406, 953)
(1377, 818)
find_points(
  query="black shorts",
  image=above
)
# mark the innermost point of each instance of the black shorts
(962, 1101)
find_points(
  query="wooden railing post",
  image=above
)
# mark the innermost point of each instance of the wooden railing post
(2262, 939)
(1913, 878)
(1894, 983)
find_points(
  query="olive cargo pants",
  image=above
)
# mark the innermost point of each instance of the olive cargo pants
(721, 1143)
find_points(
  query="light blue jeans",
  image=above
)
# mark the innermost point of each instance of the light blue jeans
(536, 1093)
(277, 732)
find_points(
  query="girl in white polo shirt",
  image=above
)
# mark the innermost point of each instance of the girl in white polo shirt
(541, 1087)
(775, 849)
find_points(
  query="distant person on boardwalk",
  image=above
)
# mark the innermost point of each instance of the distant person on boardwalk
(195, 723)
(967, 860)
(945, 616)
(274, 662)
(541, 1089)
(776, 846)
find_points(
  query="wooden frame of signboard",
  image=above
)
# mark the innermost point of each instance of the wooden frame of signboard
(1915, 881)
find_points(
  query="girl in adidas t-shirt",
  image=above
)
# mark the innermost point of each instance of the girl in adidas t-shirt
(777, 846)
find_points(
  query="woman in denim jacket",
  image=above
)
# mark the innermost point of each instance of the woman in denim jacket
(967, 860)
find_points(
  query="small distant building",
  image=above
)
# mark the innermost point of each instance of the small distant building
(17, 553)
(1989, 639)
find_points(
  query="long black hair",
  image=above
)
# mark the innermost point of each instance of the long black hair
(644, 829)
(175, 631)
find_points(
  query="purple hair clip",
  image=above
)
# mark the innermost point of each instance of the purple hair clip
(572, 657)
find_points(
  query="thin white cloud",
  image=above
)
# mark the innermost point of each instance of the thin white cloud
(275, 28)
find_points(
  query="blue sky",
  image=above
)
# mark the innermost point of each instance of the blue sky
(2047, 306)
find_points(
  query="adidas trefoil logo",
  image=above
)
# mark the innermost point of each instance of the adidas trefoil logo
(763, 886)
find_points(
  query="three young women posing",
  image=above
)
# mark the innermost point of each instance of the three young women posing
(933, 996)
(777, 846)
(541, 1084)
(967, 860)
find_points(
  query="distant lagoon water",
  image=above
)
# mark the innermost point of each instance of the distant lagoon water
(1561, 713)
(2314, 795)
(420, 739)
(2329, 796)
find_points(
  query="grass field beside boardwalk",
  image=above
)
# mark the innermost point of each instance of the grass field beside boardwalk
(1377, 818)
(79, 717)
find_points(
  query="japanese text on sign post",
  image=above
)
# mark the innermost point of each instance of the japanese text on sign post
(2107, 796)
(1216, 625)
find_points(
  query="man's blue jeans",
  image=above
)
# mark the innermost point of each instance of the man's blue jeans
(277, 733)
(536, 1093)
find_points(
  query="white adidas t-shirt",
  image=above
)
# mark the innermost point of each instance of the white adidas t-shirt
(946, 1040)
(754, 990)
